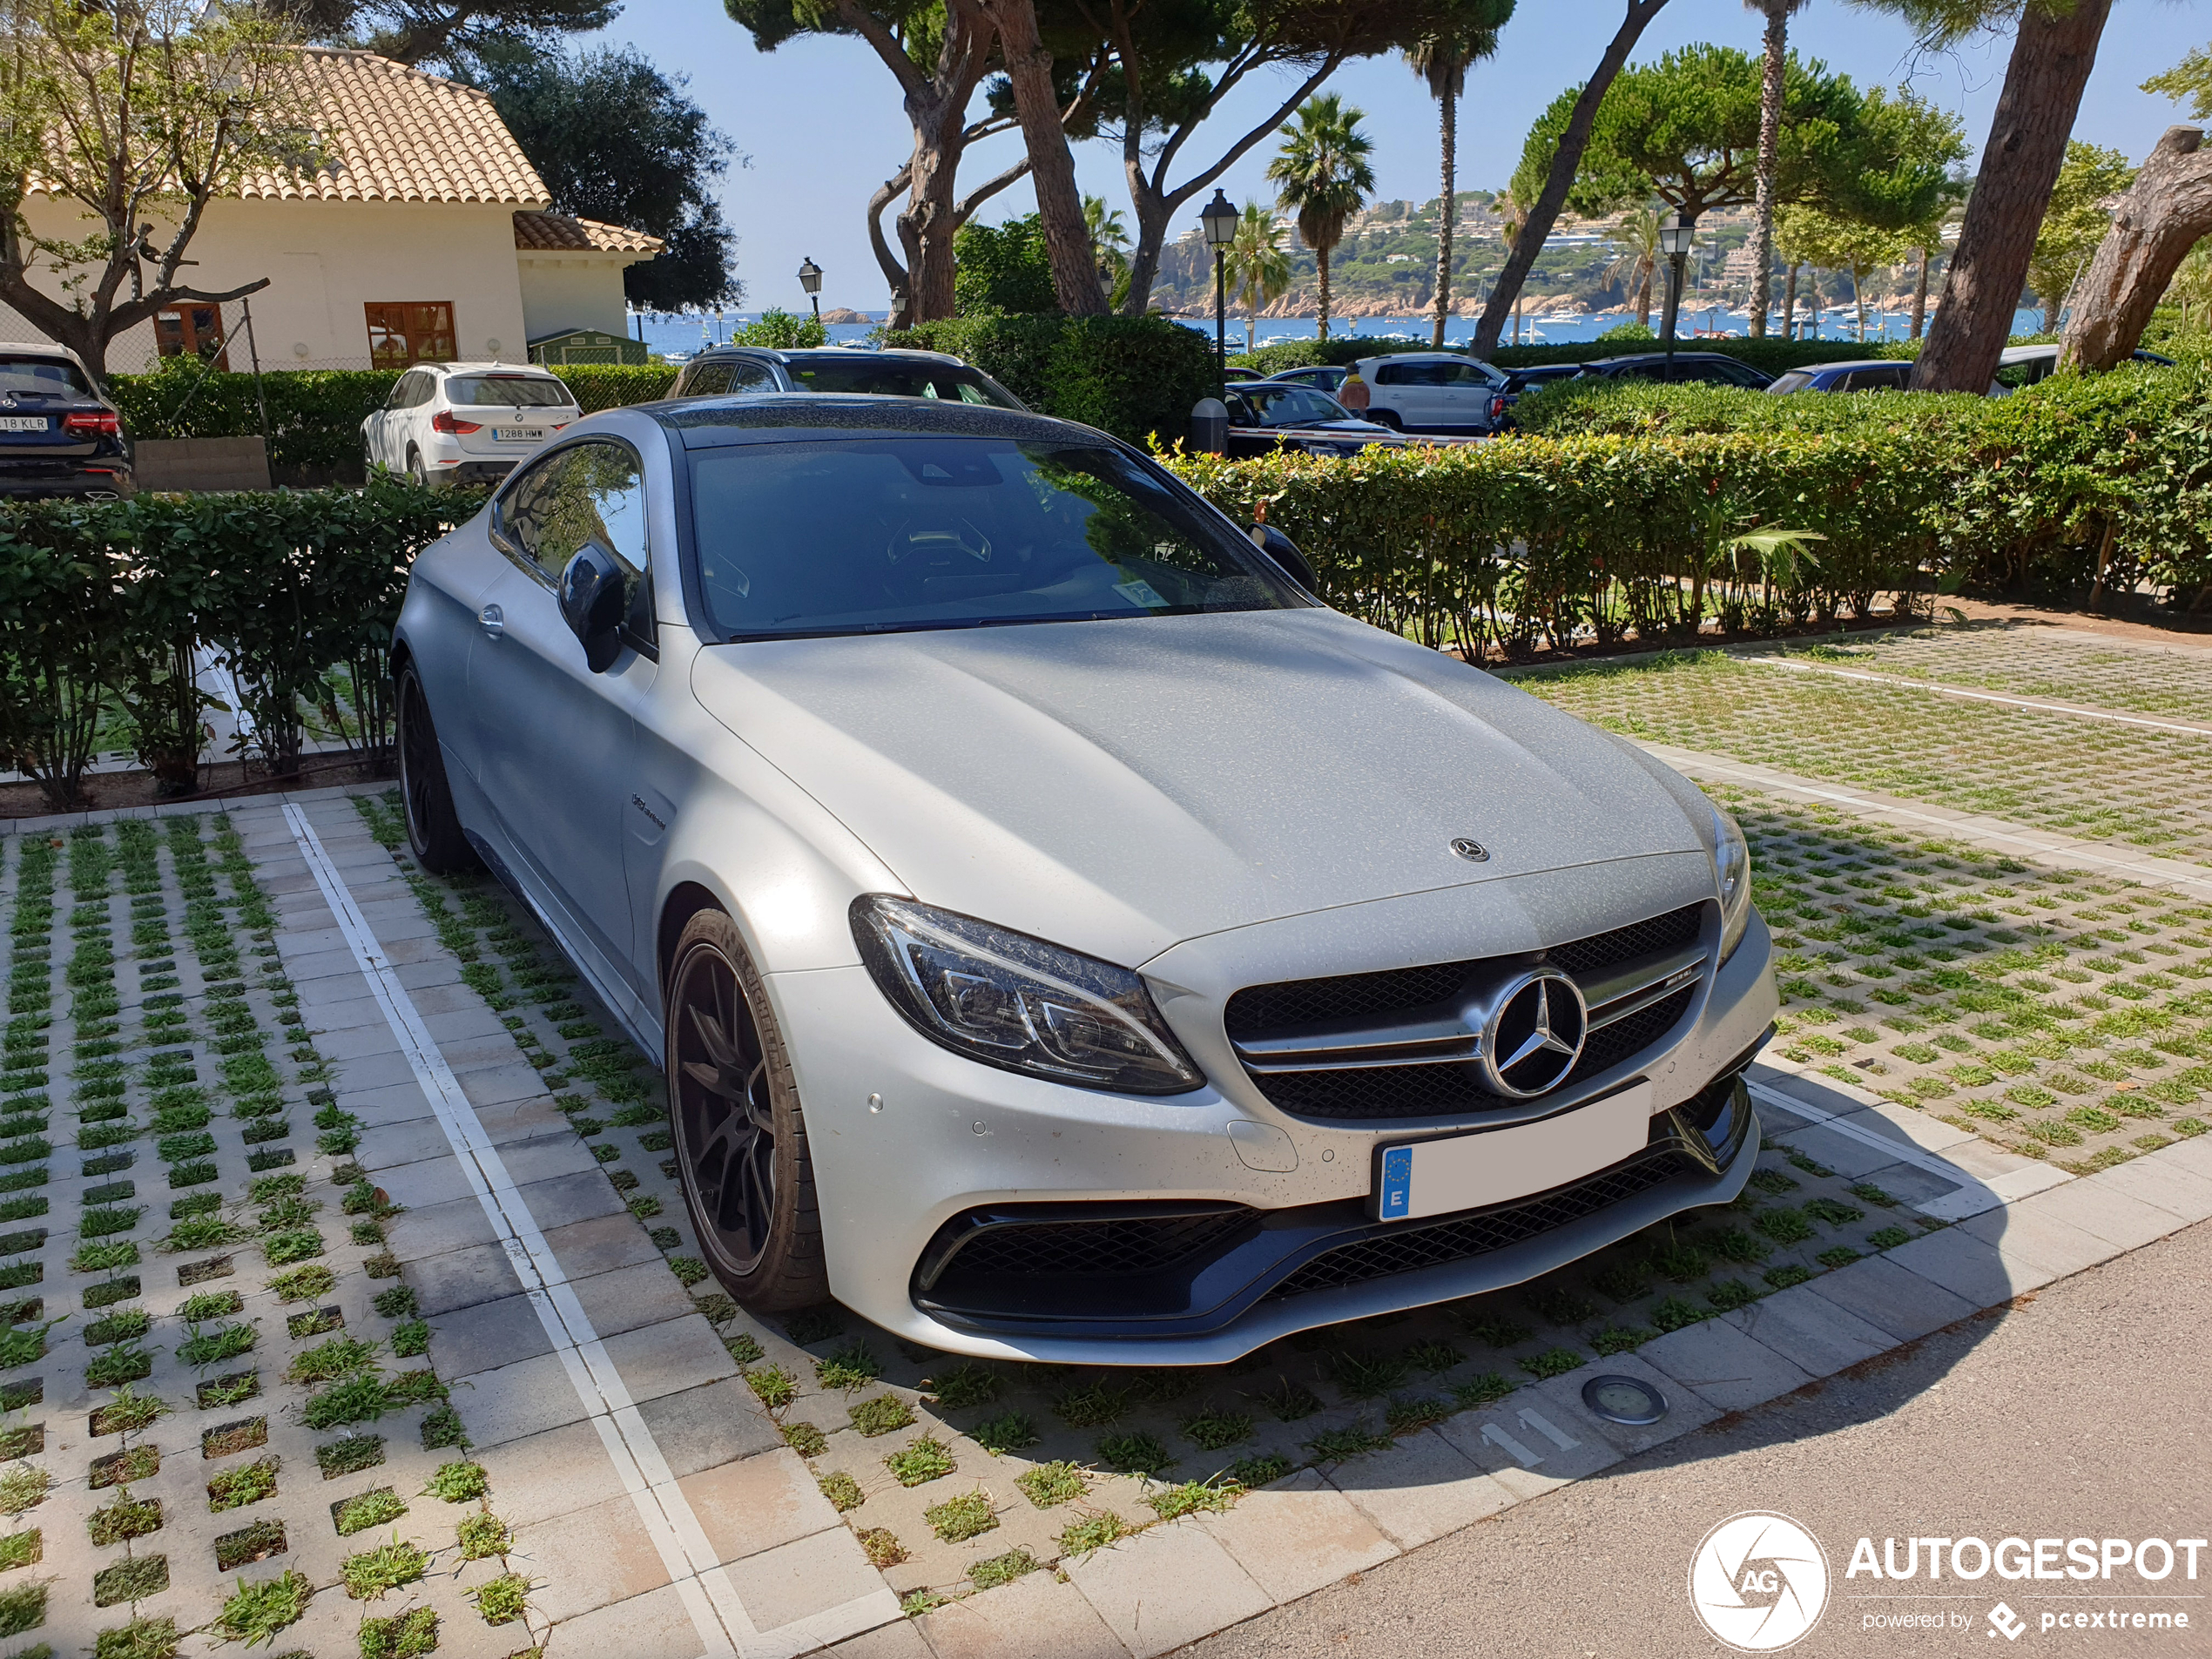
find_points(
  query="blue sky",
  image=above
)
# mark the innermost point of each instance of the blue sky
(822, 122)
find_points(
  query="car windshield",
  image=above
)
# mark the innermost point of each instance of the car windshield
(41, 377)
(896, 377)
(887, 535)
(1284, 405)
(1795, 380)
(509, 391)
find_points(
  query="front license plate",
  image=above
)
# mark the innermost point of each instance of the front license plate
(1466, 1171)
(23, 423)
(524, 434)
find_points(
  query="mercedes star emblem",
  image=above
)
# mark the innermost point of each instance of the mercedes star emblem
(1473, 852)
(1535, 1034)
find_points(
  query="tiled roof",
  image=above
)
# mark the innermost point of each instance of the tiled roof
(559, 234)
(390, 133)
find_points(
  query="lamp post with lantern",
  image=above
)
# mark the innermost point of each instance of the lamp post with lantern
(1675, 234)
(1220, 218)
(810, 279)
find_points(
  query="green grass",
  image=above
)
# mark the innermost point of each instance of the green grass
(25, 1549)
(127, 1517)
(482, 1536)
(852, 1366)
(1348, 1442)
(1484, 1390)
(1090, 1532)
(1048, 1484)
(258, 1609)
(881, 1414)
(357, 1400)
(23, 1487)
(1008, 1432)
(327, 1361)
(460, 1481)
(501, 1600)
(1194, 1497)
(151, 1638)
(350, 1455)
(1289, 1400)
(413, 1635)
(1002, 1569)
(881, 1546)
(1553, 1362)
(1260, 1470)
(843, 1491)
(927, 1458)
(1092, 1405)
(1213, 1429)
(772, 1387)
(305, 1284)
(1365, 1376)
(1135, 1454)
(369, 1509)
(251, 1483)
(960, 1386)
(23, 1608)
(957, 1520)
(201, 1347)
(805, 1439)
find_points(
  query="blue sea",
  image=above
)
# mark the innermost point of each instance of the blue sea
(677, 336)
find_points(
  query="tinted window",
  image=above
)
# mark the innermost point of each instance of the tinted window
(883, 534)
(1795, 380)
(42, 377)
(1282, 405)
(1409, 373)
(745, 376)
(1462, 374)
(895, 377)
(705, 379)
(508, 391)
(1885, 378)
(588, 492)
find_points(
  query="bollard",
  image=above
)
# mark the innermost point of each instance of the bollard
(1209, 426)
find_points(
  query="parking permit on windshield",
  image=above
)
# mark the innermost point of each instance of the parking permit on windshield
(1140, 592)
(1466, 1171)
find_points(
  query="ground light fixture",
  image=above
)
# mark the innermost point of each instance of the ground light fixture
(810, 279)
(1624, 1400)
(1219, 216)
(1675, 234)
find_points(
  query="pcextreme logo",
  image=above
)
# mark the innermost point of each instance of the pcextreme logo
(1758, 1582)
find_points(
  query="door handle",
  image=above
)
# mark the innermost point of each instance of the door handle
(493, 620)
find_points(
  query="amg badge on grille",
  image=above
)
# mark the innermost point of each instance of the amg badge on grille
(1473, 852)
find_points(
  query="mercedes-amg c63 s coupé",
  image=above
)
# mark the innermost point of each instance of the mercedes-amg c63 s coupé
(1064, 936)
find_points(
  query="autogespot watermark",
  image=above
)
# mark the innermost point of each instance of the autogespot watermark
(1759, 1582)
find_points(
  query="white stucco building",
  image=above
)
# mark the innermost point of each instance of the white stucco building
(423, 236)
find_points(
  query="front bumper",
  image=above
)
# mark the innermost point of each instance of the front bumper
(908, 1140)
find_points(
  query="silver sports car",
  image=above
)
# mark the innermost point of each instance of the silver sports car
(1064, 936)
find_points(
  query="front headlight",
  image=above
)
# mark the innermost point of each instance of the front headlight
(1732, 876)
(1017, 1002)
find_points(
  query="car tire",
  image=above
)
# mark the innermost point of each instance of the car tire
(1385, 417)
(415, 469)
(434, 833)
(740, 1137)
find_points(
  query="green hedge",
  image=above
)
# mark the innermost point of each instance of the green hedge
(1132, 376)
(316, 415)
(103, 605)
(1544, 540)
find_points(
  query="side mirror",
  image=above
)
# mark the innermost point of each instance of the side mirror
(593, 598)
(1279, 547)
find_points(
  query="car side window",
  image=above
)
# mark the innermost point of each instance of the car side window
(748, 377)
(588, 492)
(402, 391)
(1463, 375)
(705, 379)
(426, 389)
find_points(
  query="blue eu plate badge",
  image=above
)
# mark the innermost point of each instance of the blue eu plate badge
(1397, 1183)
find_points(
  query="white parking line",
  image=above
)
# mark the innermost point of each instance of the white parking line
(710, 1598)
(1797, 667)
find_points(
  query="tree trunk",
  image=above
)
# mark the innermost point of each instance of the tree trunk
(1321, 257)
(1813, 299)
(1770, 88)
(1789, 304)
(1920, 293)
(926, 223)
(1522, 257)
(894, 274)
(2052, 57)
(1447, 211)
(2163, 216)
(1060, 203)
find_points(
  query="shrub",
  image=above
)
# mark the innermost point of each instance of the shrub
(1132, 376)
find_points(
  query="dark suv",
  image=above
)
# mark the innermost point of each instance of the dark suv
(721, 370)
(1710, 367)
(58, 436)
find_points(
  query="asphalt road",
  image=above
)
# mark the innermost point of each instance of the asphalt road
(2080, 1412)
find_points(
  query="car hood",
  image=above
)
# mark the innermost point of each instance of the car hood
(1118, 786)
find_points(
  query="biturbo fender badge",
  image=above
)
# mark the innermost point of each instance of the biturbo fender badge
(1534, 1034)
(1473, 852)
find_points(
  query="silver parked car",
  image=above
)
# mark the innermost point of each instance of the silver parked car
(1064, 936)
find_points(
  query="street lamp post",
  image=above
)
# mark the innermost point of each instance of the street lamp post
(1675, 236)
(1220, 220)
(810, 278)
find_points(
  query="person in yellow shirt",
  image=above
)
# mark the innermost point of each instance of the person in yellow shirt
(1353, 393)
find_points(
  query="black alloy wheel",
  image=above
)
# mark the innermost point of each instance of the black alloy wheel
(434, 833)
(741, 1142)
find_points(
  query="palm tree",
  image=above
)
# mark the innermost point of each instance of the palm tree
(1778, 14)
(1108, 239)
(1260, 265)
(1638, 235)
(1442, 60)
(1323, 171)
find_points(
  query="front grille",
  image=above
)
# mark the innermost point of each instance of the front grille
(1094, 1249)
(1455, 1241)
(1431, 1092)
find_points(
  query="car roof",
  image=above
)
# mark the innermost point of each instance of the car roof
(1626, 358)
(534, 371)
(1852, 362)
(801, 353)
(706, 422)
